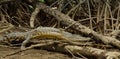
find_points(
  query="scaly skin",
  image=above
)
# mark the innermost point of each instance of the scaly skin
(19, 35)
(64, 33)
(13, 37)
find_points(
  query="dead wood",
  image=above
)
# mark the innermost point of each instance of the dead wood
(89, 51)
(115, 33)
(65, 19)
(33, 17)
(85, 51)
(6, 29)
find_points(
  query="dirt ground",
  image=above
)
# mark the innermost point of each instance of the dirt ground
(32, 54)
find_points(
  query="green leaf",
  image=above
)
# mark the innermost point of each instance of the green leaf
(43, 1)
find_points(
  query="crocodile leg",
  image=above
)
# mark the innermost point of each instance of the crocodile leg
(27, 39)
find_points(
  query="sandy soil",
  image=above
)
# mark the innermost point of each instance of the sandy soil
(32, 54)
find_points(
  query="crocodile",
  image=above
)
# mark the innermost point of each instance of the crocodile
(64, 33)
(41, 32)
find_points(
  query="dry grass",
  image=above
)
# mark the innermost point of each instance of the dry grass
(101, 16)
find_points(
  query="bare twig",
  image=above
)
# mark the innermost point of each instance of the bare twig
(33, 16)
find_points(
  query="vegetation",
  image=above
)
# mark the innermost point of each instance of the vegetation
(101, 16)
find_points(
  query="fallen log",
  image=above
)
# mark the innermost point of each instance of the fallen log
(115, 33)
(89, 51)
(85, 51)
